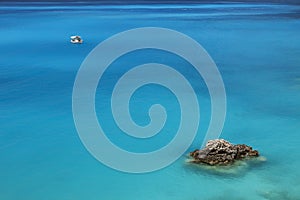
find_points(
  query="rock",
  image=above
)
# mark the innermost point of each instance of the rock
(222, 152)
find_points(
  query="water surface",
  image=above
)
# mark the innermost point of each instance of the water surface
(256, 47)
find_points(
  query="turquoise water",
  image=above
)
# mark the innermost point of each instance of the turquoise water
(255, 46)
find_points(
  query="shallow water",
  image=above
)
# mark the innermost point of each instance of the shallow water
(255, 46)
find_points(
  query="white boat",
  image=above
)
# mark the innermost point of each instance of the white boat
(76, 39)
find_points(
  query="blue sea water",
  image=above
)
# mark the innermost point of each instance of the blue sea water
(255, 46)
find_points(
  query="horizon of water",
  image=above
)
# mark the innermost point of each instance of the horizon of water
(256, 47)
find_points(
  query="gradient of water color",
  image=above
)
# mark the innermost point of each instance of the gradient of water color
(256, 47)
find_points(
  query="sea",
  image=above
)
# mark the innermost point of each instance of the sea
(255, 46)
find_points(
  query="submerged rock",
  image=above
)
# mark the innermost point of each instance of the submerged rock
(222, 152)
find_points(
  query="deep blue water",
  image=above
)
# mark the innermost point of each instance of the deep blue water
(255, 46)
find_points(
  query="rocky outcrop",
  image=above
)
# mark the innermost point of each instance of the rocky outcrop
(222, 152)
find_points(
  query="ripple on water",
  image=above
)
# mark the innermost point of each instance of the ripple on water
(238, 169)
